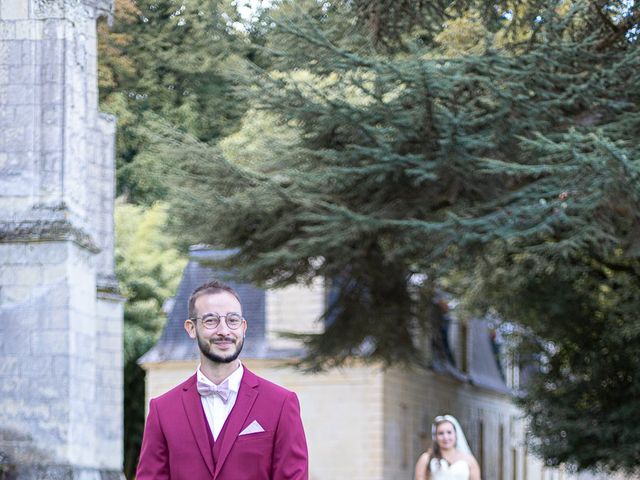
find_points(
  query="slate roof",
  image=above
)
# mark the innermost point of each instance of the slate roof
(175, 345)
(483, 364)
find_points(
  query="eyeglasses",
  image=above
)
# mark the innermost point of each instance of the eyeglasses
(212, 320)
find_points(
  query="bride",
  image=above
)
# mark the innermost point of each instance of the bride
(450, 458)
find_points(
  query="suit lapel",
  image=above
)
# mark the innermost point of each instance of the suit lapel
(193, 408)
(246, 398)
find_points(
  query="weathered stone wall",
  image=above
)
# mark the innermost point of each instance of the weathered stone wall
(301, 316)
(48, 352)
(60, 313)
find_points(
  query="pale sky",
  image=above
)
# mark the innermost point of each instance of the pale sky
(247, 7)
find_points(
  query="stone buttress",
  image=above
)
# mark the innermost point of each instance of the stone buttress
(60, 311)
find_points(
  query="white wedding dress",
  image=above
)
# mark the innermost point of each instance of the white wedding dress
(441, 470)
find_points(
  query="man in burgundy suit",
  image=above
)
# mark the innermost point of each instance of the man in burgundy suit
(223, 423)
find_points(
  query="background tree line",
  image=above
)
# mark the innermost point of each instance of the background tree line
(486, 147)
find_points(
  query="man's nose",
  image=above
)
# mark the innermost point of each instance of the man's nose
(223, 328)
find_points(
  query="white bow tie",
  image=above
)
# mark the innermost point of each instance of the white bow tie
(205, 389)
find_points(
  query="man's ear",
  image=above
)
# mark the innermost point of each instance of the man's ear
(190, 327)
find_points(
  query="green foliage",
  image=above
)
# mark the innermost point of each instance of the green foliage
(581, 333)
(148, 268)
(173, 60)
(259, 143)
(507, 143)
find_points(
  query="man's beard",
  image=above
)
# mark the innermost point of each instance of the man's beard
(204, 346)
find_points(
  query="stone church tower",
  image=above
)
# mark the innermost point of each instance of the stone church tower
(60, 312)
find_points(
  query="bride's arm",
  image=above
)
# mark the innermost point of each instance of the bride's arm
(422, 472)
(474, 468)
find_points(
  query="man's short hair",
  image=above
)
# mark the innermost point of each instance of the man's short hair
(209, 288)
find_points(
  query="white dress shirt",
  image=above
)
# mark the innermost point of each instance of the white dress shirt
(215, 409)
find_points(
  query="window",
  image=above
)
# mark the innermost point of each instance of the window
(501, 452)
(406, 436)
(513, 371)
(464, 347)
(481, 446)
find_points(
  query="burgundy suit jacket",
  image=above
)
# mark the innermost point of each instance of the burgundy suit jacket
(176, 442)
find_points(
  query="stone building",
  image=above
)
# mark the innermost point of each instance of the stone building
(363, 422)
(60, 313)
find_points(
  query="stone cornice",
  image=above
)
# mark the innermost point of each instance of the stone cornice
(46, 231)
(46, 9)
(107, 288)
